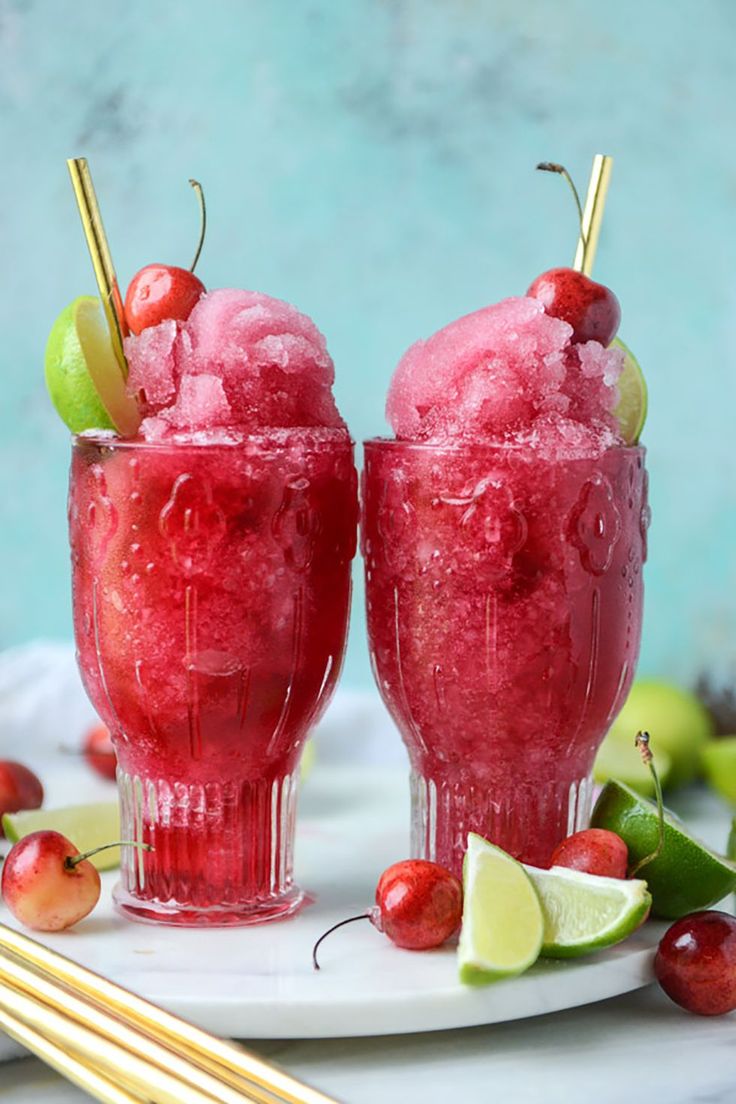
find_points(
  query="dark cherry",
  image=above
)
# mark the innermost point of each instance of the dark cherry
(20, 789)
(161, 292)
(595, 851)
(696, 963)
(590, 308)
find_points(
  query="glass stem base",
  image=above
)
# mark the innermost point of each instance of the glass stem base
(222, 851)
(526, 819)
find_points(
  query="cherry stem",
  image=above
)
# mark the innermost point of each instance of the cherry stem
(340, 924)
(553, 167)
(642, 743)
(202, 222)
(73, 860)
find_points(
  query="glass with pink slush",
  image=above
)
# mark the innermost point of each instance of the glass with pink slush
(504, 538)
(211, 579)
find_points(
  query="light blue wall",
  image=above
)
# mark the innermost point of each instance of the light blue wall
(373, 163)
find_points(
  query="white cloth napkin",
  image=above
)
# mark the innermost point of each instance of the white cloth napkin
(44, 713)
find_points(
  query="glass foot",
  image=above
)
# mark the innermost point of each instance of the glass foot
(229, 916)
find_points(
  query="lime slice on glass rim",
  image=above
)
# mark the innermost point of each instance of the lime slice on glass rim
(584, 912)
(631, 410)
(687, 875)
(87, 826)
(502, 926)
(83, 376)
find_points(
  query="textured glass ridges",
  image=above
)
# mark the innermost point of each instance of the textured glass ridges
(219, 847)
(526, 820)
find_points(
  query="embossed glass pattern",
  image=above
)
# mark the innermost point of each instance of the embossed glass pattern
(504, 599)
(211, 593)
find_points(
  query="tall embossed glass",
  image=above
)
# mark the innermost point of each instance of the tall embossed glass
(211, 588)
(504, 597)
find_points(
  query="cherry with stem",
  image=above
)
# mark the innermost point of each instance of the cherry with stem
(590, 308)
(418, 906)
(48, 884)
(162, 293)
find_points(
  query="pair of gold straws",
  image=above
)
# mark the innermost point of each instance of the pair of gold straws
(117, 1046)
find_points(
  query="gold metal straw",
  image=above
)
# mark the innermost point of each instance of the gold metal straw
(27, 1023)
(88, 1017)
(118, 1064)
(595, 202)
(94, 232)
(232, 1064)
(74, 1069)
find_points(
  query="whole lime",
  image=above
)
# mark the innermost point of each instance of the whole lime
(686, 875)
(719, 766)
(677, 722)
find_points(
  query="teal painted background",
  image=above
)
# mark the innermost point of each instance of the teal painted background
(373, 163)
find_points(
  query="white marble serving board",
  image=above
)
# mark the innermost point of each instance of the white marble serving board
(259, 982)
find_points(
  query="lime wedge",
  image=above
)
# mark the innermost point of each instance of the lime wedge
(719, 764)
(584, 912)
(687, 875)
(82, 375)
(87, 826)
(631, 410)
(502, 919)
(619, 758)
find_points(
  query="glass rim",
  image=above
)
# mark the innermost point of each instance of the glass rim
(274, 441)
(494, 448)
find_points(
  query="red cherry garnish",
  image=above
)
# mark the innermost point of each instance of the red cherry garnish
(161, 293)
(590, 308)
(99, 751)
(696, 963)
(20, 789)
(594, 851)
(419, 905)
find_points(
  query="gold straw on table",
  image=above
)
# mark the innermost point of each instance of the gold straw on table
(119, 1065)
(86, 1018)
(231, 1065)
(87, 1077)
(595, 202)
